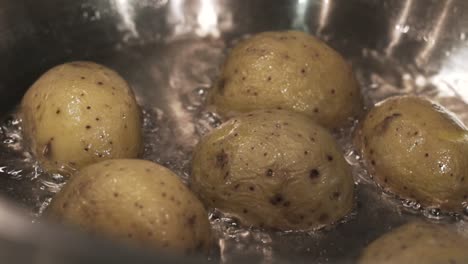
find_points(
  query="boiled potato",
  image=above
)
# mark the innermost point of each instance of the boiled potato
(79, 113)
(273, 169)
(418, 242)
(288, 70)
(135, 201)
(418, 151)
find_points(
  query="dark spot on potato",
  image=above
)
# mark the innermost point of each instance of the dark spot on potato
(314, 174)
(323, 218)
(329, 157)
(303, 71)
(316, 110)
(383, 126)
(287, 204)
(226, 174)
(88, 107)
(192, 220)
(426, 155)
(38, 106)
(255, 94)
(245, 211)
(306, 152)
(235, 134)
(116, 194)
(150, 233)
(336, 195)
(332, 91)
(88, 127)
(276, 199)
(373, 162)
(163, 194)
(58, 111)
(100, 83)
(97, 119)
(236, 186)
(243, 78)
(252, 188)
(269, 173)
(265, 154)
(86, 149)
(129, 235)
(269, 78)
(385, 180)
(64, 205)
(82, 94)
(82, 77)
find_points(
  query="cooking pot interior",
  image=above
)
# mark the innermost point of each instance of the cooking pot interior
(170, 52)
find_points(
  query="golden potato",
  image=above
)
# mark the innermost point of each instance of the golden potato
(418, 242)
(418, 151)
(273, 169)
(135, 201)
(79, 113)
(288, 70)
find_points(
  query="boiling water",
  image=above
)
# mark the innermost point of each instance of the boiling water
(171, 81)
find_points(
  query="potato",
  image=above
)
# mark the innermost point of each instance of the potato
(418, 242)
(79, 113)
(273, 169)
(288, 70)
(417, 150)
(135, 201)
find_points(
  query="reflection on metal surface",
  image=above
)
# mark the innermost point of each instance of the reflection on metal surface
(126, 11)
(452, 79)
(203, 18)
(300, 15)
(400, 26)
(434, 35)
(176, 17)
(207, 19)
(324, 15)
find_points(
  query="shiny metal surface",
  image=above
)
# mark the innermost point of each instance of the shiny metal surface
(170, 50)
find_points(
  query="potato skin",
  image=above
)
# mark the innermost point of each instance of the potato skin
(288, 70)
(273, 169)
(417, 242)
(79, 113)
(136, 201)
(416, 150)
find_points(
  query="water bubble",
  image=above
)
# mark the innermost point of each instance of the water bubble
(411, 204)
(433, 213)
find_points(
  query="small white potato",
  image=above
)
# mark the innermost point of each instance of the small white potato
(136, 201)
(79, 113)
(288, 70)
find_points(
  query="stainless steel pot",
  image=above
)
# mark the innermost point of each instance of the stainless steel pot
(169, 50)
